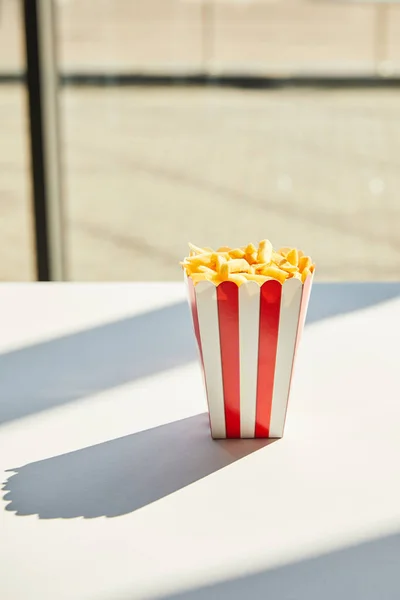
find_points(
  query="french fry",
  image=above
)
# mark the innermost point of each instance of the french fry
(288, 267)
(199, 257)
(304, 262)
(278, 258)
(275, 272)
(251, 258)
(260, 266)
(238, 265)
(264, 254)
(250, 248)
(237, 253)
(224, 272)
(207, 270)
(196, 262)
(220, 261)
(189, 270)
(196, 249)
(293, 257)
(224, 249)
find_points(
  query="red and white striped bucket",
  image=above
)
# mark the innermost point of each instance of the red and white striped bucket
(248, 338)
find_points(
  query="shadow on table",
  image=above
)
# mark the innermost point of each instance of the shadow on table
(367, 571)
(70, 367)
(119, 476)
(333, 299)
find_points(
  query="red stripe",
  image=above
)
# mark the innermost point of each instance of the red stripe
(270, 305)
(228, 312)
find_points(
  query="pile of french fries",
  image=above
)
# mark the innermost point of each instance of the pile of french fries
(247, 263)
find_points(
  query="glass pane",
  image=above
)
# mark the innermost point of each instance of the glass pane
(303, 162)
(16, 244)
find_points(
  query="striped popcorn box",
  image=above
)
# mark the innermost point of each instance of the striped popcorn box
(248, 338)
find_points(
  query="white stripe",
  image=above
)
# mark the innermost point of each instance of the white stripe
(288, 321)
(249, 322)
(207, 310)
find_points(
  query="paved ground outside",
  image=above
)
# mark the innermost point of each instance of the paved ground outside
(147, 169)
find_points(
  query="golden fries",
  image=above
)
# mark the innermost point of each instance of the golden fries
(275, 272)
(304, 263)
(238, 265)
(293, 257)
(264, 254)
(289, 268)
(224, 272)
(247, 263)
(236, 253)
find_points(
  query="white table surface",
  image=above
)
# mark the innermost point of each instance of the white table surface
(114, 490)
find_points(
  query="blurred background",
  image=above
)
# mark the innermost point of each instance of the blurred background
(211, 121)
